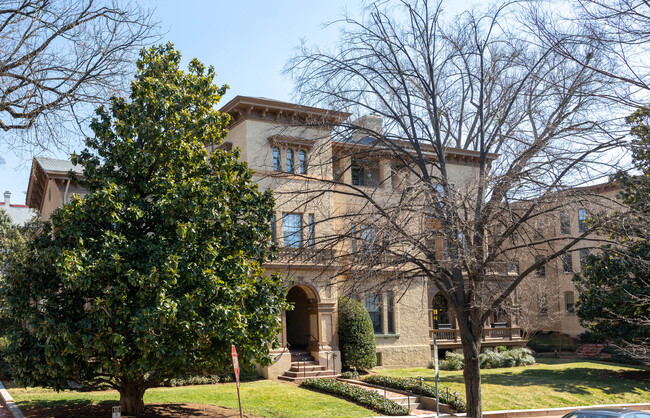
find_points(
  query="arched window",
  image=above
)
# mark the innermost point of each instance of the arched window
(290, 167)
(302, 156)
(439, 311)
(276, 159)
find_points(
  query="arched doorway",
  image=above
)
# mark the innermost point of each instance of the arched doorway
(301, 321)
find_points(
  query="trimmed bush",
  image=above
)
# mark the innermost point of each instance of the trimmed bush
(350, 375)
(491, 359)
(404, 383)
(356, 335)
(368, 398)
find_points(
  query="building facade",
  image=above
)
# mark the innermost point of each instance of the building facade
(295, 160)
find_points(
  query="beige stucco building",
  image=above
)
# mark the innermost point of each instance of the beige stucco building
(548, 296)
(295, 160)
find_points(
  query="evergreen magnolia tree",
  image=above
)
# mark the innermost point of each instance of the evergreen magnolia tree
(614, 284)
(158, 270)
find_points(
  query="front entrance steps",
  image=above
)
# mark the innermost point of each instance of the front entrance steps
(304, 366)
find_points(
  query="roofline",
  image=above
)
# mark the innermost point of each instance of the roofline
(457, 154)
(241, 108)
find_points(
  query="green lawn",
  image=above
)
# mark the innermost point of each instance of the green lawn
(262, 397)
(551, 383)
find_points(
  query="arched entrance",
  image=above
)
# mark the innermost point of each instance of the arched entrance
(440, 312)
(301, 321)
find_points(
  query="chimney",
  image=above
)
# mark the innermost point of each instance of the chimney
(371, 125)
(7, 198)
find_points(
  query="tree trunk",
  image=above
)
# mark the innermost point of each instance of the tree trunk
(472, 375)
(471, 340)
(131, 398)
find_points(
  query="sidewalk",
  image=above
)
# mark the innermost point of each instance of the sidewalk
(4, 411)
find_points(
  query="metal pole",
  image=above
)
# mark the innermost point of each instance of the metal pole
(241, 415)
(435, 361)
(421, 379)
(304, 369)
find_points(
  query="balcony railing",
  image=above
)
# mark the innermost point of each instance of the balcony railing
(305, 255)
(489, 334)
(495, 267)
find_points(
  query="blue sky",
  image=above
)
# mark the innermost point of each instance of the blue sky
(248, 44)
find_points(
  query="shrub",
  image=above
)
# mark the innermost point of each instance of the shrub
(491, 359)
(452, 361)
(402, 383)
(350, 375)
(193, 380)
(210, 379)
(621, 356)
(358, 395)
(356, 335)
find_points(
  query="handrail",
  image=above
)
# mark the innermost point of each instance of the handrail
(286, 348)
(319, 344)
(329, 352)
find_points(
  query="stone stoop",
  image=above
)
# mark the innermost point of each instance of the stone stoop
(304, 366)
(590, 350)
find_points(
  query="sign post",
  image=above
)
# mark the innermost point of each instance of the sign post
(235, 364)
(435, 366)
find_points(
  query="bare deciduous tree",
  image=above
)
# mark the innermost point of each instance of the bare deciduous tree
(58, 56)
(616, 30)
(525, 121)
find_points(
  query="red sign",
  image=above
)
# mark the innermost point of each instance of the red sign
(235, 363)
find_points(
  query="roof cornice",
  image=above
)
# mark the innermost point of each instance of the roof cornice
(243, 107)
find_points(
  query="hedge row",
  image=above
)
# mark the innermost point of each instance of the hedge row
(451, 399)
(491, 359)
(358, 395)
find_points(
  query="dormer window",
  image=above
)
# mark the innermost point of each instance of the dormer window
(302, 156)
(290, 163)
(276, 159)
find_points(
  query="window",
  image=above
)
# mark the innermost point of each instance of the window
(373, 306)
(375, 303)
(302, 157)
(276, 159)
(311, 239)
(565, 223)
(292, 229)
(584, 253)
(567, 263)
(368, 239)
(569, 302)
(357, 175)
(582, 218)
(290, 165)
(390, 314)
(353, 233)
(541, 270)
(542, 304)
(539, 228)
(274, 236)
